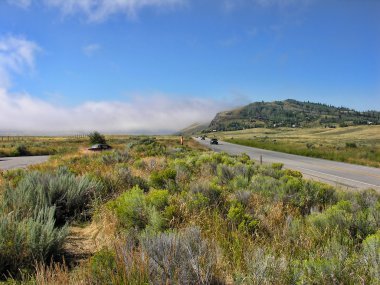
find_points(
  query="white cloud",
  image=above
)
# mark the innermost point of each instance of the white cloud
(16, 54)
(231, 5)
(21, 3)
(100, 10)
(22, 112)
(159, 113)
(90, 49)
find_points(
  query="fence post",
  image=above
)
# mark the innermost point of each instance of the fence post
(261, 159)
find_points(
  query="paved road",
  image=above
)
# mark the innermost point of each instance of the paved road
(21, 162)
(335, 173)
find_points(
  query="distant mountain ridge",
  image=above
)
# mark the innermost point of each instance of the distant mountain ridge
(290, 113)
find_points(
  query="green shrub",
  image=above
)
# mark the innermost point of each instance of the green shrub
(305, 195)
(336, 219)
(351, 145)
(130, 209)
(294, 173)
(322, 271)
(164, 179)
(371, 257)
(240, 182)
(244, 221)
(21, 150)
(158, 199)
(147, 146)
(277, 166)
(244, 158)
(103, 267)
(139, 164)
(267, 170)
(96, 138)
(266, 185)
(208, 190)
(156, 222)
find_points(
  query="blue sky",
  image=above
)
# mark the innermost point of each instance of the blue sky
(159, 65)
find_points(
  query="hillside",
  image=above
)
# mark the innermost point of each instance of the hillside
(193, 129)
(290, 113)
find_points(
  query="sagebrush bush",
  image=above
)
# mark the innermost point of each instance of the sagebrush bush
(165, 179)
(115, 156)
(209, 190)
(371, 257)
(70, 195)
(225, 173)
(147, 146)
(25, 240)
(263, 268)
(259, 224)
(243, 170)
(180, 258)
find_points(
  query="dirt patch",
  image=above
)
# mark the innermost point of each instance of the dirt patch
(83, 242)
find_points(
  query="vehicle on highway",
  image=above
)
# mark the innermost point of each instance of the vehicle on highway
(99, 147)
(203, 138)
(214, 141)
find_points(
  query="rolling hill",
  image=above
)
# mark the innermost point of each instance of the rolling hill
(289, 113)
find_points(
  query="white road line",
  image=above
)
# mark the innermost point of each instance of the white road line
(340, 177)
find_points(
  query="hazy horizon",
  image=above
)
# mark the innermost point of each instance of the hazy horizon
(157, 66)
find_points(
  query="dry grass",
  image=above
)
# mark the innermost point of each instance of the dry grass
(316, 142)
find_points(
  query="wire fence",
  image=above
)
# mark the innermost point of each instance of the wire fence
(35, 138)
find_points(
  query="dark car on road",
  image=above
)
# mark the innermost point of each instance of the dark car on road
(214, 141)
(100, 146)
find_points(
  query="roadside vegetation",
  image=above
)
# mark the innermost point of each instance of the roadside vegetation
(29, 146)
(171, 214)
(358, 145)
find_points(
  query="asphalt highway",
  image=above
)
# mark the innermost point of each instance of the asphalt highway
(345, 175)
(7, 163)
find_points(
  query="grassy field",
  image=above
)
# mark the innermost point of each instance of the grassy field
(39, 146)
(359, 145)
(151, 211)
(29, 146)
